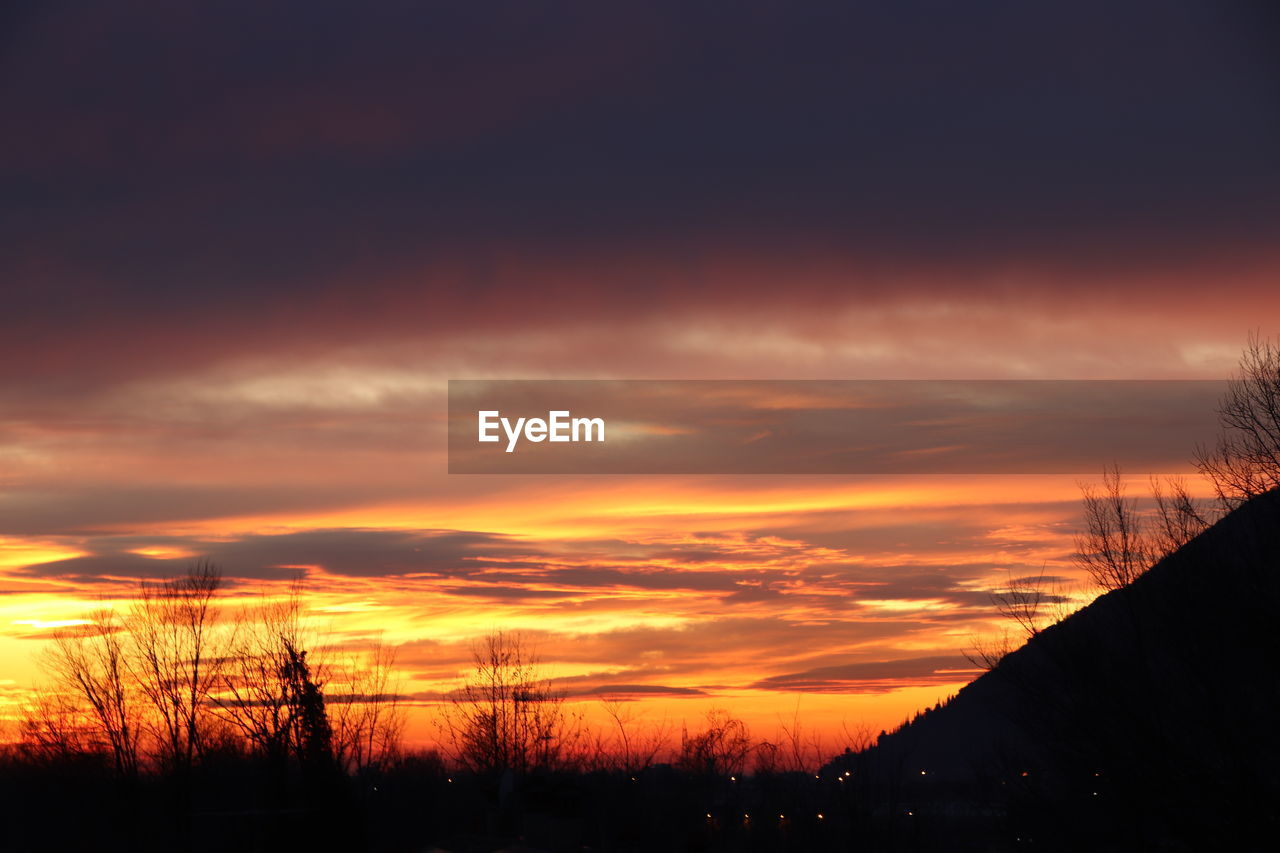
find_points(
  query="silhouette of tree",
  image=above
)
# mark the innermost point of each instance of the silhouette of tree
(987, 652)
(507, 716)
(310, 733)
(1121, 542)
(90, 674)
(1030, 603)
(631, 748)
(54, 728)
(368, 720)
(170, 680)
(1180, 517)
(799, 752)
(258, 692)
(859, 737)
(720, 750)
(768, 758)
(175, 664)
(1114, 549)
(1245, 461)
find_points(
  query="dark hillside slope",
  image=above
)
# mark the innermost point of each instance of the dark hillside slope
(1148, 719)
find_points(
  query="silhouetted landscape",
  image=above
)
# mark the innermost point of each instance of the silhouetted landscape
(1143, 721)
(614, 427)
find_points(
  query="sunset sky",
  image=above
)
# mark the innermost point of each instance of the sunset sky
(246, 245)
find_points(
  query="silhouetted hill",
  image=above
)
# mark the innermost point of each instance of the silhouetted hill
(1146, 719)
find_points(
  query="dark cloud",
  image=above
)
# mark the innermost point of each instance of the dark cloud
(873, 676)
(336, 698)
(758, 641)
(502, 565)
(374, 553)
(612, 690)
(88, 508)
(485, 567)
(295, 176)
(343, 551)
(649, 655)
(509, 593)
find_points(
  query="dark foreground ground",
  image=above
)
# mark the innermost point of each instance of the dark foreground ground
(419, 806)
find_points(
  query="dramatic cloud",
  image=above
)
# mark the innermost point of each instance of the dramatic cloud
(873, 677)
(247, 244)
(205, 184)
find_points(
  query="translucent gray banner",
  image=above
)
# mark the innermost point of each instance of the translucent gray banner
(827, 427)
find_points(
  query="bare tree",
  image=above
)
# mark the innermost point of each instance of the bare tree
(858, 738)
(267, 681)
(54, 727)
(1245, 461)
(719, 750)
(768, 758)
(632, 748)
(170, 669)
(175, 660)
(799, 752)
(507, 716)
(1030, 603)
(1114, 549)
(1121, 542)
(368, 719)
(987, 652)
(1179, 516)
(90, 665)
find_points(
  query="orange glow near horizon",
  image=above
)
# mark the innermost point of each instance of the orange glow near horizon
(620, 582)
(853, 597)
(247, 264)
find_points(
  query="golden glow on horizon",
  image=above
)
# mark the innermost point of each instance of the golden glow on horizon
(596, 570)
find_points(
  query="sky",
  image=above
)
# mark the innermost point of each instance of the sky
(245, 245)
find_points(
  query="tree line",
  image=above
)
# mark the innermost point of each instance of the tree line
(179, 676)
